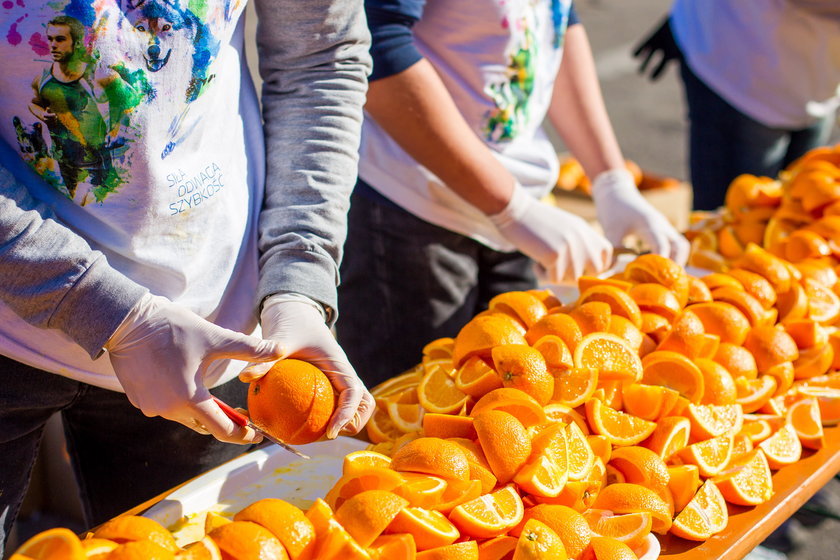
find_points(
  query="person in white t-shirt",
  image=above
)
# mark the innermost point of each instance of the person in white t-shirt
(761, 81)
(454, 161)
(162, 240)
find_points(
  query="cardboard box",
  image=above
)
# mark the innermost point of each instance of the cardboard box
(674, 202)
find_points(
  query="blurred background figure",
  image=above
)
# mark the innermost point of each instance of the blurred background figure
(454, 161)
(761, 82)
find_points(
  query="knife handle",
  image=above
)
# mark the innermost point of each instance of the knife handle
(238, 418)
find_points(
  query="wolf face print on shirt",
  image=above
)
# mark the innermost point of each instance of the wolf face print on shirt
(105, 73)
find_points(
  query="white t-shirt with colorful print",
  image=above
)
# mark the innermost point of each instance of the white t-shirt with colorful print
(499, 60)
(108, 102)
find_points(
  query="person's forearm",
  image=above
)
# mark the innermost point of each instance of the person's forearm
(50, 276)
(577, 109)
(314, 62)
(415, 108)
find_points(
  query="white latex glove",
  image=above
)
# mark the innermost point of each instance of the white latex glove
(160, 354)
(622, 211)
(296, 323)
(562, 244)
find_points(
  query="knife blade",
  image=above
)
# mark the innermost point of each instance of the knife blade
(241, 420)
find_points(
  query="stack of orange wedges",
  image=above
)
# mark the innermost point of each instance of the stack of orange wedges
(646, 405)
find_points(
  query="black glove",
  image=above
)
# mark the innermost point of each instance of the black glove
(661, 42)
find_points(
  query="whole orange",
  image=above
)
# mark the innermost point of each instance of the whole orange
(293, 402)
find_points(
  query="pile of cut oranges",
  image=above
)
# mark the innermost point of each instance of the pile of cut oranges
(645, 406)
(546, 429)
(795, 216)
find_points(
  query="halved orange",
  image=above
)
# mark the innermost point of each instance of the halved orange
(683, 483)
(650, 402)
(368, 513)
(434, 456)
(522, 367)
(421, 490)
(476, 377)
(134, 528)
(675, 371)
(752, 394)
(687, 335)
(752, 309)
(398, 546)
(58, 543)
(505, 442)
(755, 285)
(710, 420)
(656, 298)
(640, 465)
(287, 522)
(497, 548)
(828, 399)
(465, 550)
(490, 515)
(630, 528)
(556, 412)
(356, 461)
(711, 456)
(430, 528)
(458, 492)
(513, 401)
(823, 303)
(482, 333)
(619, 300)
(757, 259)
(655, 326)
(620, 428)
(437, 392)
(661, 270)
(627, 331)
(718, 384)
(770, 346)
(705, 515)
(569, 524)
(737, 360)
(631, 498)
(592, 316)
(577, 494)
(556, 353)
(722, 319)
(671, 435)
(580, 454)
(609, 355)
(804, 416)
(698, 292)
(813, 362)
(448, 426)
(557, 324)
(748, 482)
(370, 478)
(523, 306)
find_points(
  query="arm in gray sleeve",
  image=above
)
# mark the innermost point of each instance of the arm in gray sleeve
(314, 62)
(49, 275)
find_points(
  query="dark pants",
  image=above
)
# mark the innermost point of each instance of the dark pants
(724, 143)
(406, 282)
(120, 457)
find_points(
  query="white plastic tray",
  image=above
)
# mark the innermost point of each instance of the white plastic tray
(269, 472)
